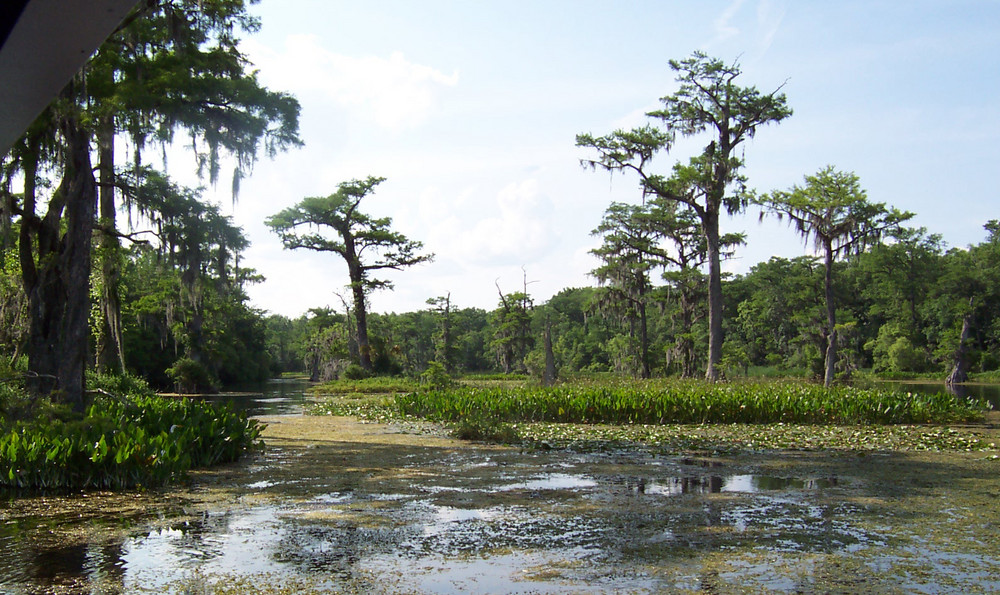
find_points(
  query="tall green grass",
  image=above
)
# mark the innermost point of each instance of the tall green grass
(688, 402)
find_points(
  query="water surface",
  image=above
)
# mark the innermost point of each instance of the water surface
(338, 506)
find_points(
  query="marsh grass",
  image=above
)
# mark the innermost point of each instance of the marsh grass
(688, 402)
(598, 413)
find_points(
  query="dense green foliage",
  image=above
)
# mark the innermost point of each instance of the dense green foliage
(679, 402)
(376, 385)
(172, 66)
(120, 442)
(900, 309)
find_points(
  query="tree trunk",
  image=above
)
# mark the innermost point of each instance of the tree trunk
(361, 317)
(831, 321)
(960, 369)
(314, 367)
(447, 347)
(109, 336)
(685, 345)
(59, 288)
(643, 339)
(550, 359)
(710, 223)
(191, 282)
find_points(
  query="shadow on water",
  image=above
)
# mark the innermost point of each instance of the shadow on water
(367, 516)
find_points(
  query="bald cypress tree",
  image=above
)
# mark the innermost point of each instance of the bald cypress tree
(711, 103)
(367, 244)
(833, 211)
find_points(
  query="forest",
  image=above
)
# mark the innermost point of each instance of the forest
(109, 265)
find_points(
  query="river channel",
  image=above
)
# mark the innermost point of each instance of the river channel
(334, 505)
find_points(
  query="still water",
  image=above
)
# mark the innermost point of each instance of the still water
(387, 512)
(279, 396)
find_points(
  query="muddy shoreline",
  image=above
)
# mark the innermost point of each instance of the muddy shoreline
(336, 505)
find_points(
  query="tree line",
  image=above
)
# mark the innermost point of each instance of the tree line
(905, 307)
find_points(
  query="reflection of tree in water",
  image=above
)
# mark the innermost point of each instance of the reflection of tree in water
(59, 562)
(334, 549)
(199, 537)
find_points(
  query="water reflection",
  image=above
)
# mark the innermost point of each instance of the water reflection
(280, 396)
(52, 563)
(341, 536)
(225, 542)
(748, 484)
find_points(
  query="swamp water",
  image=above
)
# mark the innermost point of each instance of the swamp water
(334, 505)
(987, 392)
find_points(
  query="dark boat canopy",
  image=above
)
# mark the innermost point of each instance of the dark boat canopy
(43, 43)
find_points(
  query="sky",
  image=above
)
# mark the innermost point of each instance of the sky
(470, 110)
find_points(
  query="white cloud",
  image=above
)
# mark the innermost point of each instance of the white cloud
(520, 230)
(392, 92)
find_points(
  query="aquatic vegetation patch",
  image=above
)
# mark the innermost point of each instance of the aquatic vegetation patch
(123, 442)
(735, 438)
(600, 416)
(687, 402)
(366, 386)
(367, 407)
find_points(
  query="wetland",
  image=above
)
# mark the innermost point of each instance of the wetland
(335, 504)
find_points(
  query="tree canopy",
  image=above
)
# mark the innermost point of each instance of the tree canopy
(365, 243)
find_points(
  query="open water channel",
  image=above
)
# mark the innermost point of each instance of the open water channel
(334, 505)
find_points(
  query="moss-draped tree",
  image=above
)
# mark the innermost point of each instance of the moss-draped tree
(365, 243)
(834, 211)
(710, 101)
(172, 64)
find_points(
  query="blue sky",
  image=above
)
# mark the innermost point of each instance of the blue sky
(470, 109)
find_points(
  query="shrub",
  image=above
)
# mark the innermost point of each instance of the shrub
(482, 431)
(118, 384)
(356, 372)
(435, 377)
(191, 377)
